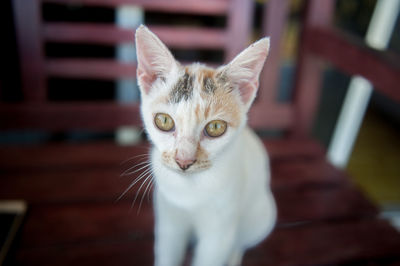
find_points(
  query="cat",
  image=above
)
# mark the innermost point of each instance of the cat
(211, 171)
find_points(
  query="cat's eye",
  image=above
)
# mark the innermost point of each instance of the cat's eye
(215, 128)
(164, 122)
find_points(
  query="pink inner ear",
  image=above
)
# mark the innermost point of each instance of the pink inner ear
(145, 80)
(247, 91)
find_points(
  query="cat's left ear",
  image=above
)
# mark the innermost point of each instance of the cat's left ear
(154, 58)
(244, 70)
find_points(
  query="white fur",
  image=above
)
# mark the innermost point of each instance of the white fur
(227, 205)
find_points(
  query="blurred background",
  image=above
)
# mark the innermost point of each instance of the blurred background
(65, 58)
(374, 161)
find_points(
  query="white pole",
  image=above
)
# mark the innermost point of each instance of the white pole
(359, 92)
(126, 89)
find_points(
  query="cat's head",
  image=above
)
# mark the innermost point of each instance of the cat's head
(193, 113)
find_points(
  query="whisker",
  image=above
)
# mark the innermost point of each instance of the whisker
(144, 194)
(152, 185)
(141, 176)
(140, 188)
(126, 172)
(134, 157)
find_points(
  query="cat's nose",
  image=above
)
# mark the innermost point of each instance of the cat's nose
(184, 164)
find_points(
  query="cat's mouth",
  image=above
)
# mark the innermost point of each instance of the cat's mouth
(185, 166)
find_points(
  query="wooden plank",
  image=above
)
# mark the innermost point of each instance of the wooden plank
(105, 253)
(177, 37)
(65, 224)
(311, 244)
(191, 37)
(296, 171)
(66, 185)
(335, 243)
(319, 202)
(304, 191)
(62, 116)
(309, 70)
(286, 148)
(67, 116)
(27, 16)
(383, 70)
(300, 205)
(80, 155)
(271, 116)
(274, 22)
(239, 27)
(67, 155)
(204, 7)
(106, 69)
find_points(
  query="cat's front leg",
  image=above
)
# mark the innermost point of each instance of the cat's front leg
(172, 233)
(216, 246)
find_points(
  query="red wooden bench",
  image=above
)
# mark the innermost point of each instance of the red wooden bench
(71, 188)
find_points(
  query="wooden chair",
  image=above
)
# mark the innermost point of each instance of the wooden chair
(71, 188)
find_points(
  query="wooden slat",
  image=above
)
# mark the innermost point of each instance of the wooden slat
(67, 116)
(90, 68)
(27, 15)
(211, 7)
(69, 155)
(301, 202)
(355, 58)
(309, 70)
(239, 27)
(351, 242)
(274, 116)
(97, 221)
(177, 37)
(274, 22)
(58, 155)
(105, 253)
(316, 202)
(287, 148)
(52, 116)
(334, 243)
(191, 38)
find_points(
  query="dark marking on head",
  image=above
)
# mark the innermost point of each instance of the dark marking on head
(209, 85)
(183, 89)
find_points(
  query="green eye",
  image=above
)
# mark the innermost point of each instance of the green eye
(164, 122)
(215, 128)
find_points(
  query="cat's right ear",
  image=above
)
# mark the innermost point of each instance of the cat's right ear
(153, 57)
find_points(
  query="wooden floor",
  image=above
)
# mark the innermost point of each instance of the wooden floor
(73, 218)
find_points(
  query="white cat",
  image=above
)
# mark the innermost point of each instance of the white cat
(211, 171)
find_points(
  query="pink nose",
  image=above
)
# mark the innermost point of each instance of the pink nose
(184, 163)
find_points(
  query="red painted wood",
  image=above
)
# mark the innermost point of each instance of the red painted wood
(299, 245)
(191, 37)
(68, 155)
(270, 116)
(344, 241)
(64, 116)
(239, 27)
(309, 70)
(27, 18)
(61, 116)
(274, 22)
(106, 221)
(90, 68)
(212, 7)
(177, 37)
(381, 69)
(124, 252)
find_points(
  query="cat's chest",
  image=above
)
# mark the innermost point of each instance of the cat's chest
(217, 184)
